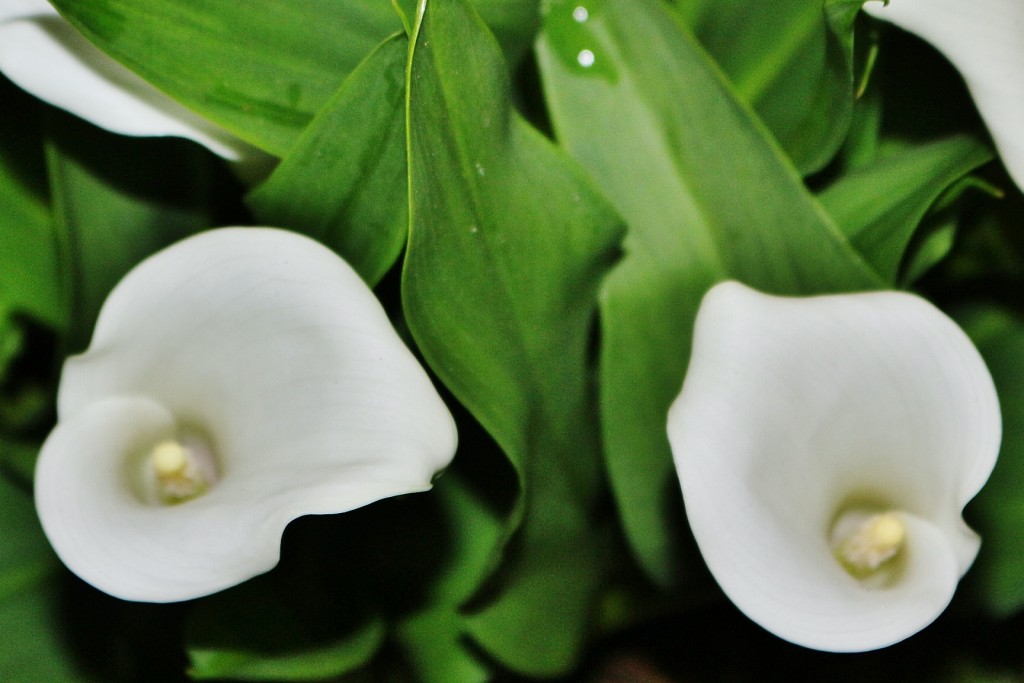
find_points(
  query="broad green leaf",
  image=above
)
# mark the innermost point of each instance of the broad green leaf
(514, 22)
(114, 206)
(261, 68)
(344, 181)
(29, 274)
(791, 60)
(880, 206)
(707, 196)
(998, 511)
(508, 243)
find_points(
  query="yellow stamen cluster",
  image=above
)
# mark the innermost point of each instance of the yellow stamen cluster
(178, 477)
(875, 542)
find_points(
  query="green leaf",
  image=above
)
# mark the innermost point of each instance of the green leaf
(880, 206)
(936, 242)
(514, 23)
(509, 241)
(864, 140)
(344, 181)
(29, 273)
(791, 60)
(18, 459)
(12, 342)
(34, 648)
(706, 195)
(437, 649)
(434, 637)
(283, 626)
(261, 68)
(114, 206)
(316, 664)
(25, 555)
(998, 511)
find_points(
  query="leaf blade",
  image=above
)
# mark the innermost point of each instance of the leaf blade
(499, 288)
(667, 110)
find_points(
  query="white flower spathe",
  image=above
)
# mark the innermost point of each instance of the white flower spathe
(235, 381)
(983, 41)
(47, 57)
(826, 447)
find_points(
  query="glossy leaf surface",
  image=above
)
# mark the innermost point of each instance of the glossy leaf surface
(344, 181)
(508, 243)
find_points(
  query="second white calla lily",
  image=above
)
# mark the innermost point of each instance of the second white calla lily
(826, 447)
(235, 381)
(45, 56)
(983, 40)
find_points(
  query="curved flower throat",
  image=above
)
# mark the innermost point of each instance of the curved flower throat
(869, 545)
(176, 471)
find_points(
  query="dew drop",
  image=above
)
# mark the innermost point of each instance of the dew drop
(585, 58)
(580, 14)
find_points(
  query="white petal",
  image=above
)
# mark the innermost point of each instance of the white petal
(793, 408)
(45, 56)
(983, 41)
(272, 347)
(18, 9)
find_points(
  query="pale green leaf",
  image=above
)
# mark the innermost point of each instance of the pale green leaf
(706, 195)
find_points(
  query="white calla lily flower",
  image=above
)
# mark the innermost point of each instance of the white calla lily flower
(826, 447)
(47, 57)
(982, 39)
(235, 381)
